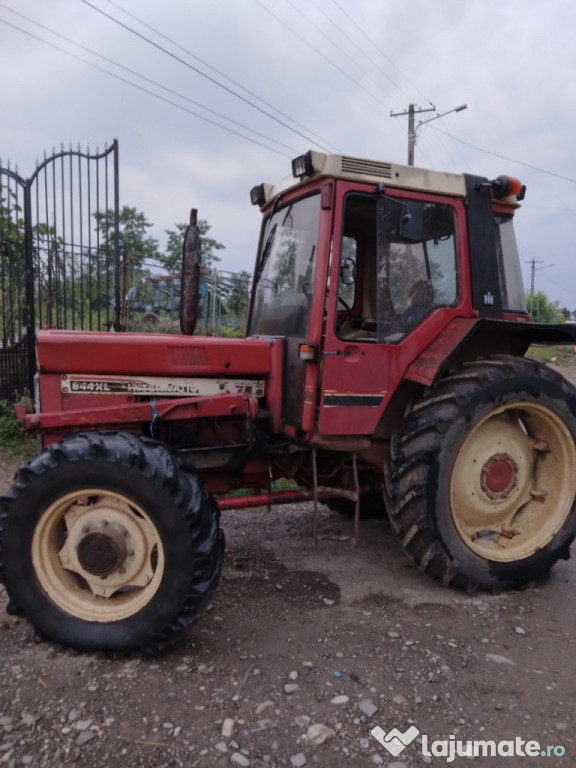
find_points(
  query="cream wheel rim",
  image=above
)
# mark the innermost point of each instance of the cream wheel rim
(97, 555)
(513, 483)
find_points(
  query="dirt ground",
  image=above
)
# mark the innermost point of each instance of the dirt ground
(301, 643)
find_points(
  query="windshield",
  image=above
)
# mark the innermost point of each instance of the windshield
(284, 279)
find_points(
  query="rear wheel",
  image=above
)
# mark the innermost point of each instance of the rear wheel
(484, 474)
(108, 542)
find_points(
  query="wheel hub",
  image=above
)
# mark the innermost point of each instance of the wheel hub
(513, 483)
(103, 550)
(499, 476)
(109, 543)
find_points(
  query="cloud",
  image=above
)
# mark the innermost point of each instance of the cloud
(338, 73)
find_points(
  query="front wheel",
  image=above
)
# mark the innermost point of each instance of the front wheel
(108, 542)
(484, 474)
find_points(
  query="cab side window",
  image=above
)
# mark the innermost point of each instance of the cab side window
(511, 283)
(356, 310)
(392, 275)
(416, 272)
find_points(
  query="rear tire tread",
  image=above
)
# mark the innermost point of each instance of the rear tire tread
(418, 447)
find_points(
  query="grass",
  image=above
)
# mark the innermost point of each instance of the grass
(282, 484)
(14, 440)
(551, 353)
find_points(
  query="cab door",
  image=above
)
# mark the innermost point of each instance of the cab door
(354, 370)
(396, 286)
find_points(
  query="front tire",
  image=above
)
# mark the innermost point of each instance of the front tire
(108, 542)
(484, 475)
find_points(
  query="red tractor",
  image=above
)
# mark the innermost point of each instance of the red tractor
(384, 357)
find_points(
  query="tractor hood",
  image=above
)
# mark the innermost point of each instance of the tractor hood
(151, 354)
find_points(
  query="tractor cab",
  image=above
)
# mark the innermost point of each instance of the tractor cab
(361, 266)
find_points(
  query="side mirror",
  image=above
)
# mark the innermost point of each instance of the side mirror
(348, 271)
(412, 221)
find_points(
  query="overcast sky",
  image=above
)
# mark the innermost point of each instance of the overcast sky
(335, 67)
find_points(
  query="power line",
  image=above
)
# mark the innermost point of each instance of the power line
(358, 47)
(219, 72)
(331, 41)
(455, 146)
(505, 157)
(141, 88)
(251, 93)
(380, 51)
(340, 28)
(202, 74)
(568, 294)
(147, 79)
(318, 52)
(392, 63)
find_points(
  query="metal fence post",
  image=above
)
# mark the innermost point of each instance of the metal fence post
(30, 309)
(117, 322)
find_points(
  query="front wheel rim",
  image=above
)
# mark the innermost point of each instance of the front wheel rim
(97, 555)
(513, 483)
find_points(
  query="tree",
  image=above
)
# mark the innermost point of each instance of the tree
(12, 270)
(542, 309)
(172, 258)
(134, 240)
(51, 278)
(236, 305)
(138, 252)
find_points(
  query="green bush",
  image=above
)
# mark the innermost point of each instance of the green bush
(14, 439)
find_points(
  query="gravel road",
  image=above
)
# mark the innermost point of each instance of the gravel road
(306, 649)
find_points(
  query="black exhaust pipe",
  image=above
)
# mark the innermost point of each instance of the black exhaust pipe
(190, 283)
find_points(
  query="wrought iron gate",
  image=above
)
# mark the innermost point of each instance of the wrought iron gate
(59, 255)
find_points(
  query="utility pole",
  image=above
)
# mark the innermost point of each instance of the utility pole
(412, 110)
(535, 306)
(413, 129)
(533, 262)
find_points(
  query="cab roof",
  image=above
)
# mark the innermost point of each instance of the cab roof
(315, 165)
